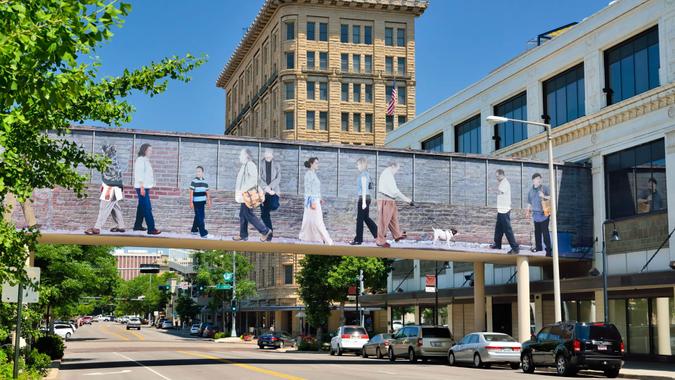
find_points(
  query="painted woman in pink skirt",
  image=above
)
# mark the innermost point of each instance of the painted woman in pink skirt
(313, 229)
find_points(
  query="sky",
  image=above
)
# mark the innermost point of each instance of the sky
(457, 43)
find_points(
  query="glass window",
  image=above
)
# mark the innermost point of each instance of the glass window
(434, 144)
(357, 122)
(369, 122)
(290, 60)
(288, 274)
(323, 90)
(323, 31)
(402, 94)
(311, 86)
(632, 67)
(389, 36)
(509, 133)
(344, 93)
(356, 63)
(323, 60)
(369, 93)
(344, 33)
(389, 65)
(635, 180)
(467, 136)
(435, 332)
(401, 65)
(311, 31)
(368, 35)
(289, 90)
(400, 37)
(323, 120)
(357, 92)
(290, 30)
(311, 60)
(368, 63)
(638, 326)
(498, 338)
(344, 120)
(356, 34)
(310, 119)
(390, 123)
(290, 122)
(402, 119)
(344, 62)
(564, 96)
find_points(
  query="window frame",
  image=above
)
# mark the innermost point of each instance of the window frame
(389, 36)
(344, 90)
(344, 117)
(344, 33)
(553, 86)
(368, 34)
(521, 96)
(356, 33)
(323, 60)
(311, 54)
(401, 37)
(290, 30)
(311, 91)
(424, 145)
(356, 116)
(323, 120)
(312, 30)
(323, 31)
(313, 119)
(356, 92)
(323, 90)
(290, 60)
(468, 123)
(286, 120)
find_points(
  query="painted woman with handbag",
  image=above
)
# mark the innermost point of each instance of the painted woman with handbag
(539, 207)
(249, 195)
(313, 228)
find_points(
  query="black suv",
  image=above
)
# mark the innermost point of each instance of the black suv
(571, 346)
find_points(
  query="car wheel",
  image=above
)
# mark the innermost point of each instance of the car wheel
(562, 365)
(67, 336)
(364, 354)
(514, 365)
(260, 346)
(612, 372)
(330, 351)
(526, 363)
(390, 354)
(378, 353)
(127, 327)
(282, 344)
(411, 356)
(451, 359)
(477, 362)
(339, 350)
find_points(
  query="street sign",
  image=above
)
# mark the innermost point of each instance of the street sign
(184, 285)
(430, 284)
(30, 294)
(223, 286)
(228, 276)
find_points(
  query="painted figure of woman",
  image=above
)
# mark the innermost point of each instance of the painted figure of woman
(364, 185)
(144, 181)
(313, 228)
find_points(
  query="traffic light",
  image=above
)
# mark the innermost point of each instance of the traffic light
(233, 306)
(163, 287)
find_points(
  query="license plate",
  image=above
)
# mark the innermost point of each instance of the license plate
(507, 349)
(602, 348)
(436, 344)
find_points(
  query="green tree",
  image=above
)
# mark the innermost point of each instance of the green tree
(142, 295)
(49, 79)
(186, 308)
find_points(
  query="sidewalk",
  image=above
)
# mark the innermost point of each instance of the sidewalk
(647, 370)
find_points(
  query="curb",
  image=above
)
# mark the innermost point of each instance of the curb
(634, 376)
(53, 370)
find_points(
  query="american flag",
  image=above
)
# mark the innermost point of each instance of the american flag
(391, 107)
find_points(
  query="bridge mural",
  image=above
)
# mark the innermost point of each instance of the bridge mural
(447, 191)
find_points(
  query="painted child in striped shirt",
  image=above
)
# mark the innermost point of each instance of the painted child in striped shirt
(199, 200)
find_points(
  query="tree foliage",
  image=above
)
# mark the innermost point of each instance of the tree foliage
(186, 308)
(210, 266)
(48, 80)
(141, 295)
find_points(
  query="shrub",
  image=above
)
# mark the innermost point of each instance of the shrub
(38, 362)
(219, 335)
(308, 345)
(52, 345)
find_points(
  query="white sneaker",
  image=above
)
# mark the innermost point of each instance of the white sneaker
(195, 233)
(207, 236)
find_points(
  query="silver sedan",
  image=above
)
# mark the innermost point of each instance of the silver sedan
(484, 348)
(376, 346)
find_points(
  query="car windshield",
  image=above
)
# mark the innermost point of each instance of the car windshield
(435, 332)
(498, 338)
(355, 330)
(598, 331)
(386, 336)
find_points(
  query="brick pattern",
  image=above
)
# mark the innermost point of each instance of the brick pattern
(640, 233)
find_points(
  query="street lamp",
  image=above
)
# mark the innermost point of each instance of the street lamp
(615, 237)
(554, 206)
(445, 266)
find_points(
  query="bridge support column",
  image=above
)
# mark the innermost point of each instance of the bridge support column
(523, 267)
(599, 306)
(418, 315)
(479, 296)
(538, 312)
(663, 326)
(488, 313)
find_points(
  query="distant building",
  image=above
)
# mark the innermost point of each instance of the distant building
(129, 261)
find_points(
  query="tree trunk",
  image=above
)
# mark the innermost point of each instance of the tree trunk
(319, 341)
(342, 313)
(50, 325)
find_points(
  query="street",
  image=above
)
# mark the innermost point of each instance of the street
(107, 350)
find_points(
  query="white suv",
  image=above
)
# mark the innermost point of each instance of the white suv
(348, 338)
(134, 323)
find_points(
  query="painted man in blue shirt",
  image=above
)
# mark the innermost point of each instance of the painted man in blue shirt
(537, 193)
(199, 200)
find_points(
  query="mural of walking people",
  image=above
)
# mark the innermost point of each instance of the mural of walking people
(270, 179)
(539, 209)
(364, 186)
(313, 227)
(144, 181)
(249, 195)
(200, 199)
(387, 211)
(111, 194)
(503, 226)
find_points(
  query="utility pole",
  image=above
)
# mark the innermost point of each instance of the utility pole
(233, 332)
(360, 292)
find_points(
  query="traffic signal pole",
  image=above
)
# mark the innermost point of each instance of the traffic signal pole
(233, 331)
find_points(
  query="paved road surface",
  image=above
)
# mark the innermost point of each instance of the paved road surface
(106, 350)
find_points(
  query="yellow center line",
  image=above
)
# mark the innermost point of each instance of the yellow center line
(107, 331)
(242, 365)
(137, 335)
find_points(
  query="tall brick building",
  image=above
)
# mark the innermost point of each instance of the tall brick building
(318, 71)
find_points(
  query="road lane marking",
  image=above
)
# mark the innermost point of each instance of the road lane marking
(148, 368)
(107, 331)
(107, 373)
(137, 335)
(242, 365)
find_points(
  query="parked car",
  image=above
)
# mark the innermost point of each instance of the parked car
(571, 346)
(276, 339)
(209, 331)
(134, 323)
(484, 348)
(167, 324)
(87, 320)
(194, 329)
(158, 322)
(65, 331)
(71, 324)
(124, 319)
(420, 342)
(377, 346)
(396, 325)
(348, 338)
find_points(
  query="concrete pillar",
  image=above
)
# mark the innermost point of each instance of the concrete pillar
(598, 180)
(670, 184)
(488, 313)
(449, 309)
(663, 326)
(390, 317)
(599, 306)
(479, 296)
(418, 314)
(416, 276)
(538, 312)
(523, 267)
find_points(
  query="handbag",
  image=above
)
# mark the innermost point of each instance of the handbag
(546, 206)
(254, 196)
(273, 202)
